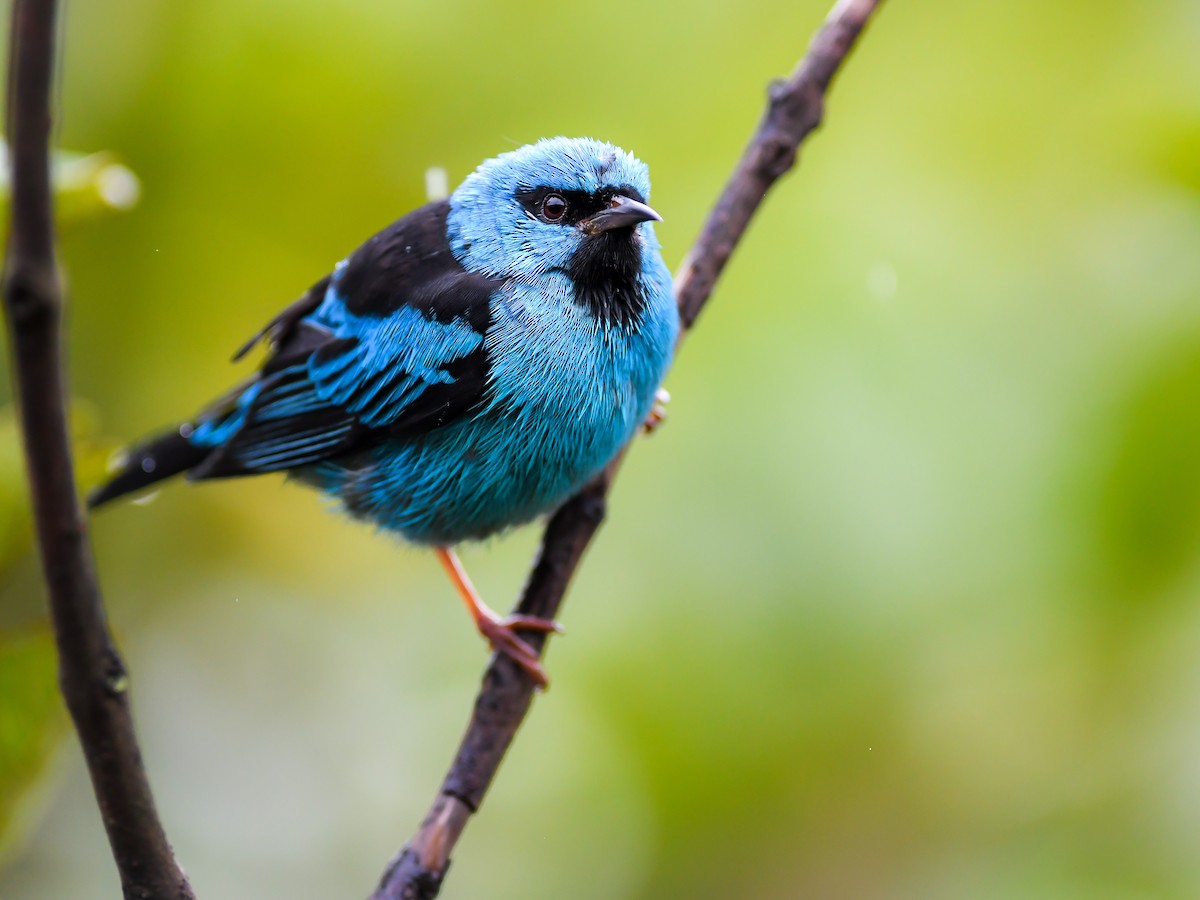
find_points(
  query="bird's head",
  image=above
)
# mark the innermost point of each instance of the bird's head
(556, 204)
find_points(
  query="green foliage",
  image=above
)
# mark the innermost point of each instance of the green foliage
(1149, 515)
(32, 724)
(92, 451)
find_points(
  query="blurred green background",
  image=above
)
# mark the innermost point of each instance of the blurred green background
(903, 602)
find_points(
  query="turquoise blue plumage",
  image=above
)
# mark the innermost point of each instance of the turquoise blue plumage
(466, 369)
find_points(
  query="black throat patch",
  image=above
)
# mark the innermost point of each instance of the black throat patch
(605, 268)
(604, 271)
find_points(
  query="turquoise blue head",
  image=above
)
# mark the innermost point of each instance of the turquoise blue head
(539, 207)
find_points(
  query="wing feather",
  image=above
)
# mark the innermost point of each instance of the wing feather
(385, 350)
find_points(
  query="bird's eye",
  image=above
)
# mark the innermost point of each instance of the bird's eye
(554, 207)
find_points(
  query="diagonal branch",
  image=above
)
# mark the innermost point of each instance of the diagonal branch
(794, 110)
(91, 674)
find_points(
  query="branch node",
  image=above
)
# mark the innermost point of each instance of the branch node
(777, 158)
(778, 89)
(31, 297)
(118, 684)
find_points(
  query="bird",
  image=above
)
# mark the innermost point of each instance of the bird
(463, 371)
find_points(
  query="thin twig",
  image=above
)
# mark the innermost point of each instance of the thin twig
(794, 110)
(91, 674)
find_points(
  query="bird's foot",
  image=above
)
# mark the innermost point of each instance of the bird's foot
(500, 632)
(658, 412)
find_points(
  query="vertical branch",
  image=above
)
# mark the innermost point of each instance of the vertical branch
(91, 673)
(794, 110)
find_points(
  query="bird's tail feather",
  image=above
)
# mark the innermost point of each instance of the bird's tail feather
(151, 461)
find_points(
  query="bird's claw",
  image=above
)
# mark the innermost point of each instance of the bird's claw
(658, 412)
(501, 634)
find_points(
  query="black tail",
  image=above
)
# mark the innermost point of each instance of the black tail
(151, 461)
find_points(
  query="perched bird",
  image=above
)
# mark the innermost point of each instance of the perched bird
(463, 371)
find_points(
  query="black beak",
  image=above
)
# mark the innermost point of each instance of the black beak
(622, 212)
